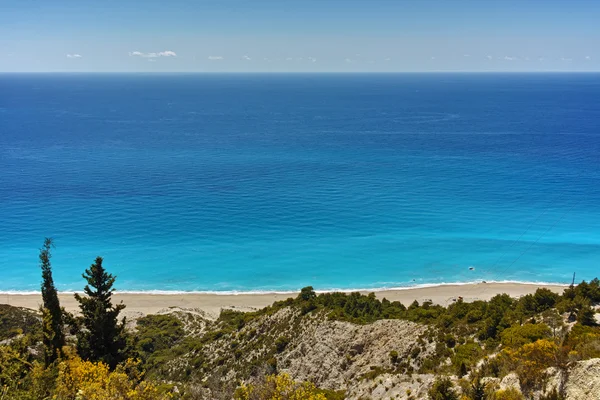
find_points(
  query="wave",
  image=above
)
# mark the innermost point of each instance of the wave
(296, 291)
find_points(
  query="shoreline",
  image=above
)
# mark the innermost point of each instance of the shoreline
(143, 303)
(376, 289)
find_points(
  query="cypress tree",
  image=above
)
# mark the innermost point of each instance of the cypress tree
(103, 337)
(52, 328)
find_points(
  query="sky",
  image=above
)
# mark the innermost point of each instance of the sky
(299, 36)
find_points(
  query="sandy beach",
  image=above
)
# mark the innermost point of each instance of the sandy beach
(141, 304)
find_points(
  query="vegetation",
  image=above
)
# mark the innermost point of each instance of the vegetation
(531, 360)
(508, 394)
(102, 337)
(243, 355)
(18, 321)
(78, 379)
(443, 389)
(52, 326)
(279, 387)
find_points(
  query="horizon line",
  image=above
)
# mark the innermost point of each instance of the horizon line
(290, 72)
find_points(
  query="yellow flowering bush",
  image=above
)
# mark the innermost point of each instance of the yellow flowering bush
(531, 360)
(279, 387)
(13, 367)
(85, 380)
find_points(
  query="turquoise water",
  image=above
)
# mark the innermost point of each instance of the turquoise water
(259, 183)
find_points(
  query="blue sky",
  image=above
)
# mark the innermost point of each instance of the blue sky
(299, 36)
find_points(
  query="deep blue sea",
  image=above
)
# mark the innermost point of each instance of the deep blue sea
(274, 182)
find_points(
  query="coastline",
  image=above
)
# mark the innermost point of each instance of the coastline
(143, 303)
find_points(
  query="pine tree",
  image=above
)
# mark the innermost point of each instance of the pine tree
(586, 316)
(103, 337)
(52, 328)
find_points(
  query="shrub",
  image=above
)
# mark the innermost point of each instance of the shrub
(158, 332)
(584, 341)
(519, 335)
(88, 380)
(508, 394)
(272, 364)
(531, 360)
(394, 356)
(281, 343)
(442, 389)
(586, 317)
(277, 387)
(16, 320)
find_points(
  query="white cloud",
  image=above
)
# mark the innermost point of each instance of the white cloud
(565, 59)
(289, 59)
(312, 59)
(166, 53)
(526, 58)
(247, 58)
(74, 55)
(215, 58)
(489, 57)
(507, 58)
(466, 55)
(541, 59)
(588, 58)
(348, 60)
(387, 59)
(152, 60)
(433, 57)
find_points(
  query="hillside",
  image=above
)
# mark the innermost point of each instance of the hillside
(542, 346)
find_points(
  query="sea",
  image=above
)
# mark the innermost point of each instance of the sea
(271, 182)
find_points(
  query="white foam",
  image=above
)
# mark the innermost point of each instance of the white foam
(296, 291)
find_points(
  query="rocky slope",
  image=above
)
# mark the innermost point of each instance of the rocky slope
(201, 357)
(583, 381)
(341, 356)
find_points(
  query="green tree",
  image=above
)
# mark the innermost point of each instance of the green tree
(554, 320)
(52, 328)
(442, 389)
(544, 299)
(585, 316)
(103, 337)
(307, 293)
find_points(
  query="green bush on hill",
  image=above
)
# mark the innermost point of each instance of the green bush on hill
(16, 321)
